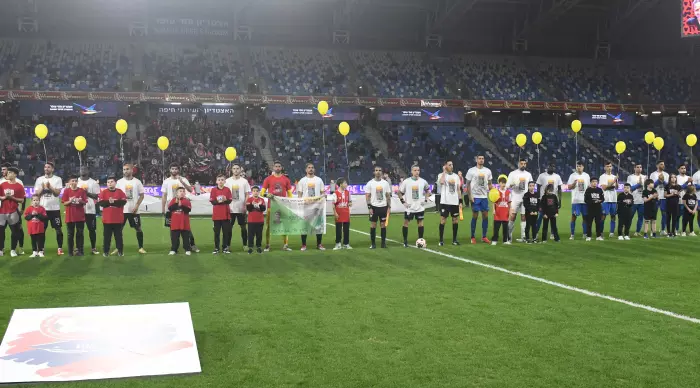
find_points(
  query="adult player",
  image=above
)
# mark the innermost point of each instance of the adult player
(21, 229)
(696, 181)
(92, 189)
(169, 192)
(478, 182)
(277, 185)
(240, 191)
(549, 177)
(308, 187)
(578, 183)
(413, 193)
(134, 191)
(636, 182)
(660, 178)
(11, 195)
(378, 197)
(449, 186)
(683, 181)
(49, 186)
(518, 181)
(608, 183)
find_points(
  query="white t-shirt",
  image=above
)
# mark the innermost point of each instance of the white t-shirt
(240, 188)
(450, 192)
(91, 187)
(311, 187)
(170, 186)
(133, 188)
(49, 201)
(413, 191)
(682, 179)
(545, 180)
(661, 189)
(519, 181)
(637, 194)
(605, 181)
(479, 179)
(696, 178)
(578, 183)
(378, 190)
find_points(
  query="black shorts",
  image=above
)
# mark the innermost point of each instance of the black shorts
(238, 217)
(168, 215)
(53, 218)
(449, 210)
(410, 216)
(91, 221)
(378, 213)
(649, 216)
(134, 220)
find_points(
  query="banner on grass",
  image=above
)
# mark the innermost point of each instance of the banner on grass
(297, 216)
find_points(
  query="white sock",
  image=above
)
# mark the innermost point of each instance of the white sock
(522, 230)
(511, 226)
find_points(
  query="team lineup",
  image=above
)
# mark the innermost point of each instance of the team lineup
(234, 201)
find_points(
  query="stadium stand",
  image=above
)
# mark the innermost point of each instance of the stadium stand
(497, 78)
(580, 80)
(399, 74)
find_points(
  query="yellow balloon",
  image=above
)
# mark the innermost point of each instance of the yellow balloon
(344, 128)
(230, 154)
(322, 107)
(691, 140)
(537, 138)
(649, 137)
(494, 195)
(576, 126)
(520, 140)
(80, 143)
(121, 126)
(41, 131)
(659, 143)
(163, 143)
(620, 147)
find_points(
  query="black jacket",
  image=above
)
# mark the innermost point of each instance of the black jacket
(531, 201)
(594, 200)
(549, 205)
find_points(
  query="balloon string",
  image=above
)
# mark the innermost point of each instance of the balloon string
(163, 154)
(576, 139)
(539, 167)
(323, 127)
(347, 162)
(648, 153)
(80, 159)
(45, 153)
(121, 147)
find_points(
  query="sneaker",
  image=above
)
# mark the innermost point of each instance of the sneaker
(372, 246)
(194, 249)
(267, 248)
(227, 252)
(80, 253)
(2, 253)
(405, 245)
(627, 238)
(114, 252)
(620, 238)
(20, 251)
(588, 239)
(286, 247)
(188, 253)
(535, 241)
(337, 247)
(571, 237)
(34, 254)
(600, 238)
(303, 248)
(250, 251)
(142, 251)
(245, 247)
(59, 252)
(683, 234)
(551, 237)
(494, 243)
(520, 240)
(636, 234)
(455, 242)
(320, 247)
(259, 250)
(384, 245)
(485, 240)
(545, 241)
(507, 243)
(663, 232)
(95, 252)
(692, 234)
(216, 252)
(171, 253)
(611, 235)
(646, 237)
(347, 246)
(473, 240)
(13, 253)
(441, 243)
(528, 242)
(41, 254)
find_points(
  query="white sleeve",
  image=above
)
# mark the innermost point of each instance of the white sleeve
(388, 189)
(164, 189)
(489, 178)
(601, 180)
(402, 187)
(511, 179)
(60, 183)
(38, 186)
(470, 175)
(571, 180)
(246, 188)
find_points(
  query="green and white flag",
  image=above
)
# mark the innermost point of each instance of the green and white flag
(297, 216)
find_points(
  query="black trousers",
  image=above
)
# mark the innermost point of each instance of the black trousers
(255, 232)
(15, 235)
(672, 213)
(496, 227)
(175, 236)
(624, 223)
(38, 242)
(226, 227)
(590, 219)
(530, 226)
(546, 222)
(688, 220)
(342, 230)
(91, 223)
(76, 234)
(319, 239)
(116, 230)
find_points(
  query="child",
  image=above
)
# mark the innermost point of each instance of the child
(220, 197)
(74, 199)
(501, 211)
(180, 208)
(672, 195)
(625, 205)
(593, 198)
(549, 206)
(690, 207)
(651, 199)
(112, 201)
(35, 216)
(531, 201)
(256, 207)
(11, 195)
(341, 210)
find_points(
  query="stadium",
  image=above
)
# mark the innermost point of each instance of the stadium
(438, 122)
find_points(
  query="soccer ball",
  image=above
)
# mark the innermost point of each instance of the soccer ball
(420, 243)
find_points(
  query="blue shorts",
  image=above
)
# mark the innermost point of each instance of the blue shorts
(610, 208)
(579, 209)
(480, 205)
(662, 205)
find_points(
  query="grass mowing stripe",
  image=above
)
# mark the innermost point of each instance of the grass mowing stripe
(553, 283)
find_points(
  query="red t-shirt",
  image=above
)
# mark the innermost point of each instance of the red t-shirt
(277, 185)
(112, 214)
(15, 190)
(342, 205)
(35, 225)
(255, 216)
(179, 220)
(221, 212)
(501, 208)
(75, 211)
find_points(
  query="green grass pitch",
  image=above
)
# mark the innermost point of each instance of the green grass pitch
(398, 317)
